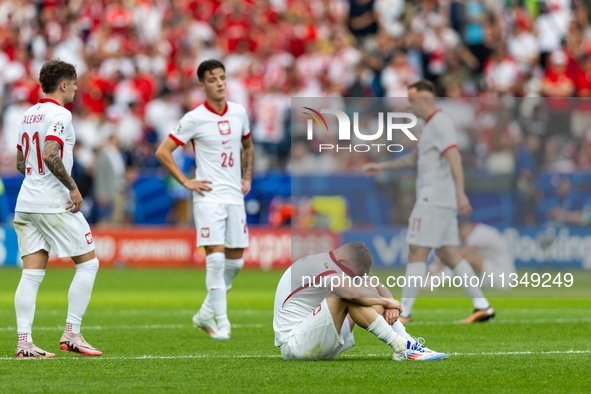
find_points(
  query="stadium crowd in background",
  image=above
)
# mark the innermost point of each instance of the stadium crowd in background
(136, 62)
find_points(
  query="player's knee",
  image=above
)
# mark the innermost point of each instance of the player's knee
(90, 265)
(235, 264)
(215, 263)
(417, 254)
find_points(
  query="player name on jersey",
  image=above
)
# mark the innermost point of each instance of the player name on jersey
(30, 119)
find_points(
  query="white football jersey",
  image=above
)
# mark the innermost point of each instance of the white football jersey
(490, 245)
(435, 183)
(42, 192)
(296, 297)
(217, 141)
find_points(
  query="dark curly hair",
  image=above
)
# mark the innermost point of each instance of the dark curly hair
(54, 72)
(208, 65)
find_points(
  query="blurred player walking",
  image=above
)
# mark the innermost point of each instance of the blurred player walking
(48, 213)
(433, 222)
(218, 130)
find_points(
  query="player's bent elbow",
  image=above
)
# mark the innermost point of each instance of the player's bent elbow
(47, 158)
(160, 154)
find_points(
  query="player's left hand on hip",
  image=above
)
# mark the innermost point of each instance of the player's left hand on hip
(246, 186)
(75, 204)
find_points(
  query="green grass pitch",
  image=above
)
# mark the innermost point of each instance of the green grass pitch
(141, 319)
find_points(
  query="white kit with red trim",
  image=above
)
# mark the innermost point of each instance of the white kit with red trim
(42, 192)
(435, 183)
(296, 297)
(216, 140)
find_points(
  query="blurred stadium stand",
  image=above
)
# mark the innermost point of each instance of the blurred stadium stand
(136, 63)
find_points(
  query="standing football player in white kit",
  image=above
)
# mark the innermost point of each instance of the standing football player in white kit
(218, 130)
(433, 222)
(48, 213)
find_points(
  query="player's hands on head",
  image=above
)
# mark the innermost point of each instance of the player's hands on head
(464, 207)
(198, 186)
(371, 169)
(75, 203)
(246, 184)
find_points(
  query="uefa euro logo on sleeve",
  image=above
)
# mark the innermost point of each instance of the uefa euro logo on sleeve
(224, 127)
(58, 128)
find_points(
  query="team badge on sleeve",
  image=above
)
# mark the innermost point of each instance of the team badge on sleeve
(58, 128)
(177, 129)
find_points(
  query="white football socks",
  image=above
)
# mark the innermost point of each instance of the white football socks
(215, 302)
(384, 332)
(232, 267)
(79, 293)
(24, 302)
(399, 329)
(410, 291)
(474, 292)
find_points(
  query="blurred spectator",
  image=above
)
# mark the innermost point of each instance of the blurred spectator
(12, 118)
(569, 205)
(523, 46)
(397, 76)
(109, 182)
(163, 113)
(501, 72)
(362, 18)
(556, 82)
(526, 173)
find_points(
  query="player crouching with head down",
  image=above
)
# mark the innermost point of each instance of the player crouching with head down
(316, 310)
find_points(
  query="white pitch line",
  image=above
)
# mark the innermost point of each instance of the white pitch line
(202, 356)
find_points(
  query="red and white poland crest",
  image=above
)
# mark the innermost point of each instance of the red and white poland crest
(224, 127)
(89, 238)
(205, 232)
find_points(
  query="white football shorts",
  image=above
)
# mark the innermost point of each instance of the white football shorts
(432, 227)
(316, 338)
(220, 224)
(67, 234)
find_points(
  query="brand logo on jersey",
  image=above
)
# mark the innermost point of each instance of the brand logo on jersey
(89, 239)
(345, 129)
(58, 128)
(205, 232)
(224, 127)
(177, 129)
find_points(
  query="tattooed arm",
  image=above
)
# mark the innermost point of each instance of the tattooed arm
(20, 162)
(247, 164)
(51, 157)
(407, 161)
